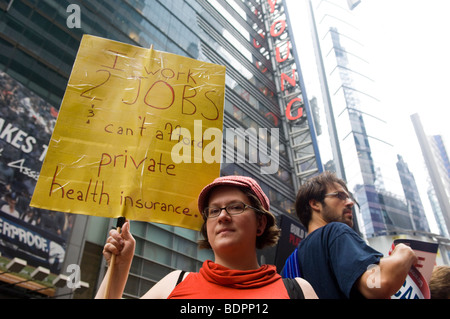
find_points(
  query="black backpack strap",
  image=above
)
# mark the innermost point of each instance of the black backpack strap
(180, 277)
(293, 288)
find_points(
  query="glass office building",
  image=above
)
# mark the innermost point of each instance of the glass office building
(355, 140)
(39, 40)
(357, 124)
(436, 160)
(413, 200)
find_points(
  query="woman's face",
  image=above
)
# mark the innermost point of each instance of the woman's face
(232, 233)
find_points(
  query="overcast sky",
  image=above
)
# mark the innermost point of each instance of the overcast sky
(410, 50)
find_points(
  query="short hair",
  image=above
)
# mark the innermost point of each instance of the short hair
(268, 238)
(440, 283)
(314, 188)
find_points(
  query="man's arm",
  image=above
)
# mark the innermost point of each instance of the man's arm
(390, 276)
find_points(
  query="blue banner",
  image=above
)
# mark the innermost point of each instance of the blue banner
(38, 246)
(26, 123)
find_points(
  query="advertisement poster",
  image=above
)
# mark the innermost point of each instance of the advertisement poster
(416, 283)
(292, 233)
(26, 124)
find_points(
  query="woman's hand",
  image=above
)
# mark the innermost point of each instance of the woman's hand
(120, 244)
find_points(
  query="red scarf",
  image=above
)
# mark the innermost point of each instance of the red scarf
(239, 279)
(218, 282)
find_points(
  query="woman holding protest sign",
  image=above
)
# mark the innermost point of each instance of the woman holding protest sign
(237, 221)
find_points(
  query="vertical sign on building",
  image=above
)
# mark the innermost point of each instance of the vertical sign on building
(297, 119)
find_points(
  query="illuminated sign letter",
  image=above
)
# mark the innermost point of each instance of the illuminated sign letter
(287, 78)
(277, 53)
(273, 27)
(299, 111)
(272, 5)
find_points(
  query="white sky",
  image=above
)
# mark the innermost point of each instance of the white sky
(407, 43)
(410, 50)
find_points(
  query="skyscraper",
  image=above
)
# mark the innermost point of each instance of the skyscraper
(443, 163)
(413, 200)
(359, 138)
(358, 146)
(436, 160)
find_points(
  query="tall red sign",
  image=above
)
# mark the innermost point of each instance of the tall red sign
(284, 62)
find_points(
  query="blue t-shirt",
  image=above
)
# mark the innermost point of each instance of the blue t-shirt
(332, 258)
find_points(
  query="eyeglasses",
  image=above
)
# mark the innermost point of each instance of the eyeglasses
(341, 196)
(232, 209)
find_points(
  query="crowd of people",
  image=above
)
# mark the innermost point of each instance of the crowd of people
(332, 262)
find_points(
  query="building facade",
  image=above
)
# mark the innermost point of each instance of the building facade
(436, 161)
(415, 208)
(39, 40)
(354, 139)
(441, 157)
(443, 162)
(361, 153)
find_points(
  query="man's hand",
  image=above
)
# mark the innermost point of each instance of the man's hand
(392, 274)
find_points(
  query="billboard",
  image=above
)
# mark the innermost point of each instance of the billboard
(26, 124)
(292, 233)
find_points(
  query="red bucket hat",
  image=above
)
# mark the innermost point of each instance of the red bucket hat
(233, 180)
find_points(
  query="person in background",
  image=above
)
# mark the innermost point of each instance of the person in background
(333, 258)
(237, 221)
(440, 283)
(10, 206)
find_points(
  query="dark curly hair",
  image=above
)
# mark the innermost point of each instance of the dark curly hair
(314, 188)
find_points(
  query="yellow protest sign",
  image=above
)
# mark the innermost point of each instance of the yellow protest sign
(138, 135)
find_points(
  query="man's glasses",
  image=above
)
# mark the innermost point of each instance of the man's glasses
(232, 209)
(341, 196)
